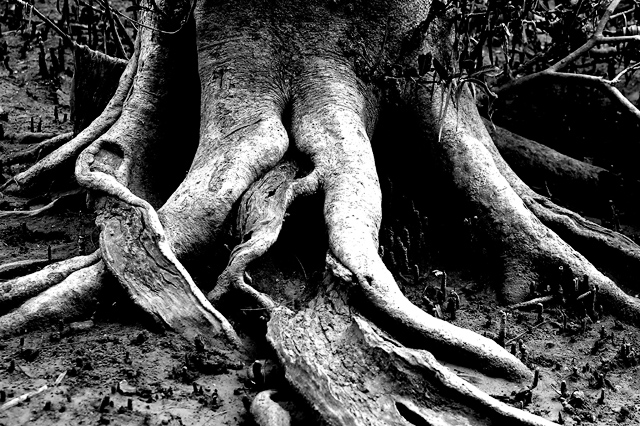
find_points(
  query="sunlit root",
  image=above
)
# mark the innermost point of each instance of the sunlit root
(511, 221)
(72, 298)
(335, 138)
(351, 372)
(13, 214)
(568, 239)
(15, 291)
(260, 218)
(135, 250)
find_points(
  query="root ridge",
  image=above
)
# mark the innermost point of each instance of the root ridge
(351, 372)
(260, 217)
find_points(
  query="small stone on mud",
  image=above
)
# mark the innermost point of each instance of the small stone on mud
(125, 388)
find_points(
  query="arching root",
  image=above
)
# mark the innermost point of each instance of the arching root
(583, 185)
(336, 140)
(260, 218)
(351, 372)
(610, 251)
(514, 224)
(74, 297)
(17, 290)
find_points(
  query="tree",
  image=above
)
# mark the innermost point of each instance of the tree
(290, 94)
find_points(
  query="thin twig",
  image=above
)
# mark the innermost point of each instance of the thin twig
(617, 78)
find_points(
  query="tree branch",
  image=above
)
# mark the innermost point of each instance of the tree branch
(605, 86)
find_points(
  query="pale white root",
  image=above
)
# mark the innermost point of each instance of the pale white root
(353, 373)
(509, 217)
(19, 289)
(72, 298)
(159, 307)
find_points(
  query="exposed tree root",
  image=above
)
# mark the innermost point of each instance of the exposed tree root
(335, 138)
(136, 251)
(351, 372)
(19, 267)
(71, 298)
(508, 211)
(29, 138)
(132, 241)
(17, 290)
(583, 185)
(35, 152)
(610, 251)
(260, 218)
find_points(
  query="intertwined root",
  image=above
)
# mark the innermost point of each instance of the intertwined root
(260, 218)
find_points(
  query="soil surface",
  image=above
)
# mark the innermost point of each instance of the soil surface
(111, 369)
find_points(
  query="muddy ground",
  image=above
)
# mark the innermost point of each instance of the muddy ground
(111, 369)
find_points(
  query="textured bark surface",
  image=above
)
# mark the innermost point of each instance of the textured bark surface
(351, 372)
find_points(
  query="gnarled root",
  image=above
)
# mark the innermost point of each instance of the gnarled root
(335, 138)
(351, 372)
(260, 218)
(137, 253)
(510, 214)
